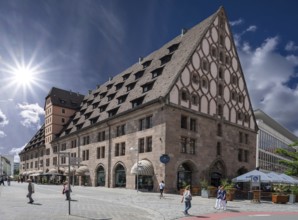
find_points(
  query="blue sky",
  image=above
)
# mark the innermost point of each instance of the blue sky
(77, 44)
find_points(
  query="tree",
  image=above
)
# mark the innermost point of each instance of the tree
(293, 163)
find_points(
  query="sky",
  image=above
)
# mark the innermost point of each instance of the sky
(78, 44)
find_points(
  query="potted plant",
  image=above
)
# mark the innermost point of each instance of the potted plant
(279, 195)
(230, 189)
(294, 190)
(204, 188)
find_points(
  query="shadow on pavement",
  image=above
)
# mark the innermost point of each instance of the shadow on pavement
(91, 217)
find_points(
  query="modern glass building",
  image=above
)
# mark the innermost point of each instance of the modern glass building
(271, 136)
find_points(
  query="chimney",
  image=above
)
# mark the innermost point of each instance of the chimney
(110, 78)
(183, 31)
(140, 60)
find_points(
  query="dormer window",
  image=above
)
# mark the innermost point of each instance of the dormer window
(234, 80)
(113, 112)
(109, 86)
(173, 48)
(139, 74)
(94, 105)
(130, 86)
(67, 131)
(102, 95)
(148, 86)
(103, 107)
(165, 59)
(204, 83)
(88, 115)
(137, 102)
(119, 85)
(79, 126)
(93, 120)
(126, 76)
(195, 78)
(110, 97)
(95, 94)
(89, 102)
(233, 95)
(220, 73)
(121, 99)
(82, 111)
(157, 72)
(221, 40)
(146, 64)
(205, 65)
(75, 121)
(62, 101)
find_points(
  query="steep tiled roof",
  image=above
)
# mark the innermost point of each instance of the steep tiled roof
(63, 98)
(38, 140)
(141, 83)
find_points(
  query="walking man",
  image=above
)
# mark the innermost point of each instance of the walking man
(30, 190)
(161, 188)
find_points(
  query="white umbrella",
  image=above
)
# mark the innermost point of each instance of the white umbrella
(288, 179)
(276, 178)
(247, 177)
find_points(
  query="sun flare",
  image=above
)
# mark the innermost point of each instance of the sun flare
(23, 76)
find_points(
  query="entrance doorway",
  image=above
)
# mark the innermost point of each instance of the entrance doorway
(184, 176)
(101, 176)
(120, 176)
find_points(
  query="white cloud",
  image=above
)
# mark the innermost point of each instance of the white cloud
(251, 28)
(3, 120)
(2, 134)
(15, 152)
(30, 114)
(267, 72)
(237, 22)
(291, 46)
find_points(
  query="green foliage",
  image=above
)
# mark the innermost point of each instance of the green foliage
(294, 189)
(293, 164)
(227, 184)
(281, 189)
(204, 184)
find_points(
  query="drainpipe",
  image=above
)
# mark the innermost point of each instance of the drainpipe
(109, 156)
(79, 156)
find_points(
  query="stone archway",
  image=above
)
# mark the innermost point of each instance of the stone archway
(120, 176)
(185, 173)
(217, 172)
(100, 176)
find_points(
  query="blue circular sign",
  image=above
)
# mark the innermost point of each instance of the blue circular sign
(164, 158)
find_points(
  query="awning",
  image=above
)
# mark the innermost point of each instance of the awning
(72, 170)
(145, 168)
(53, 170)
(82, 170)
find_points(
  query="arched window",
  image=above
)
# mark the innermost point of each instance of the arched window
(120, 176)
(101, 177)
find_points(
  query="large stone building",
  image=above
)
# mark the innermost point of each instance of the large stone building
(272, 135)
(181, 114)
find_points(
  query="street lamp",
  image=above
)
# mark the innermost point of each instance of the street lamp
(137, 149)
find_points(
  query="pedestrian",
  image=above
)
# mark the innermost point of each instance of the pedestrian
(66, 190)
(8, 181)
(30, 190)
(187, 199)
(161, 188)
(223, 198)
(218, 198)
(2, 181)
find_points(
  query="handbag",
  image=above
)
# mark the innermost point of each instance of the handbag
(188, 197)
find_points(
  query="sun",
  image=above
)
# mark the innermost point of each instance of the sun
(23, 76)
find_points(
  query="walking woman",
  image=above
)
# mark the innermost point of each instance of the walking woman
(187, 199)
(66, 190)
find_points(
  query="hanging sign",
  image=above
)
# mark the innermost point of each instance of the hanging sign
(164, 158)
